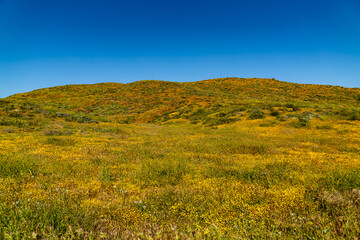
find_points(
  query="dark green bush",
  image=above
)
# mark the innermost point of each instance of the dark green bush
(198, 114)
(354, 116)
(274, 113)
(80, 119)
(349, 114)
(256, 113)
(15, 113)
(302, 122)
(294, 107)
(8, 107)
(357, 98)
(4, 121)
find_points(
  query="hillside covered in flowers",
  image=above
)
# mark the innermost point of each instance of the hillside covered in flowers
(160, 101)
(227, 158)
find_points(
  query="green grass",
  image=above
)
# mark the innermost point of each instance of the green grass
(58, 217)
(57, 141)
(14, 167)
(342, 179)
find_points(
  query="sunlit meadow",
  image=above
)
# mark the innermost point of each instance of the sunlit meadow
(262, 170)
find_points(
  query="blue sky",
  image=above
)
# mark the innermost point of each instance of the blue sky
(47, 43)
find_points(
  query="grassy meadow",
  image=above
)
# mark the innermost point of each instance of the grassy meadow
(229, 168)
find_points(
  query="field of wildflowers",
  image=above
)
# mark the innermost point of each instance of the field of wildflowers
(219, 164)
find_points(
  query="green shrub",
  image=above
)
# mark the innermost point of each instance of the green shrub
(51, 113)
(354, 116)
(9, 107)
(281, 118)
(80, 119)
(5, 121)
(256, 113)
(199, 114)
(218, 119)
(357, 98)
(3, 102)
(274, 113)
(15, 113)
(301, 122)
(294, 107)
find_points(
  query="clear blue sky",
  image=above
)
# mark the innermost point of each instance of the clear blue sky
(47, 43)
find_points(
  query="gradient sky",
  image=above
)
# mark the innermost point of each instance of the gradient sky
(47, 43)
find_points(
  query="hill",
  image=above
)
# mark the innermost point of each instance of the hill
(211, 102)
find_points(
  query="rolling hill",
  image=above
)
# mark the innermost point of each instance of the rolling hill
(215, 101)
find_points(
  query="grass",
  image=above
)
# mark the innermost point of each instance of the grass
(342, 179)
(180, 180)
(57, 141)
(15, 167)
(257, 170)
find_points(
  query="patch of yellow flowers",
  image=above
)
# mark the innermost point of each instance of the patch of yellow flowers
(239, 194)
